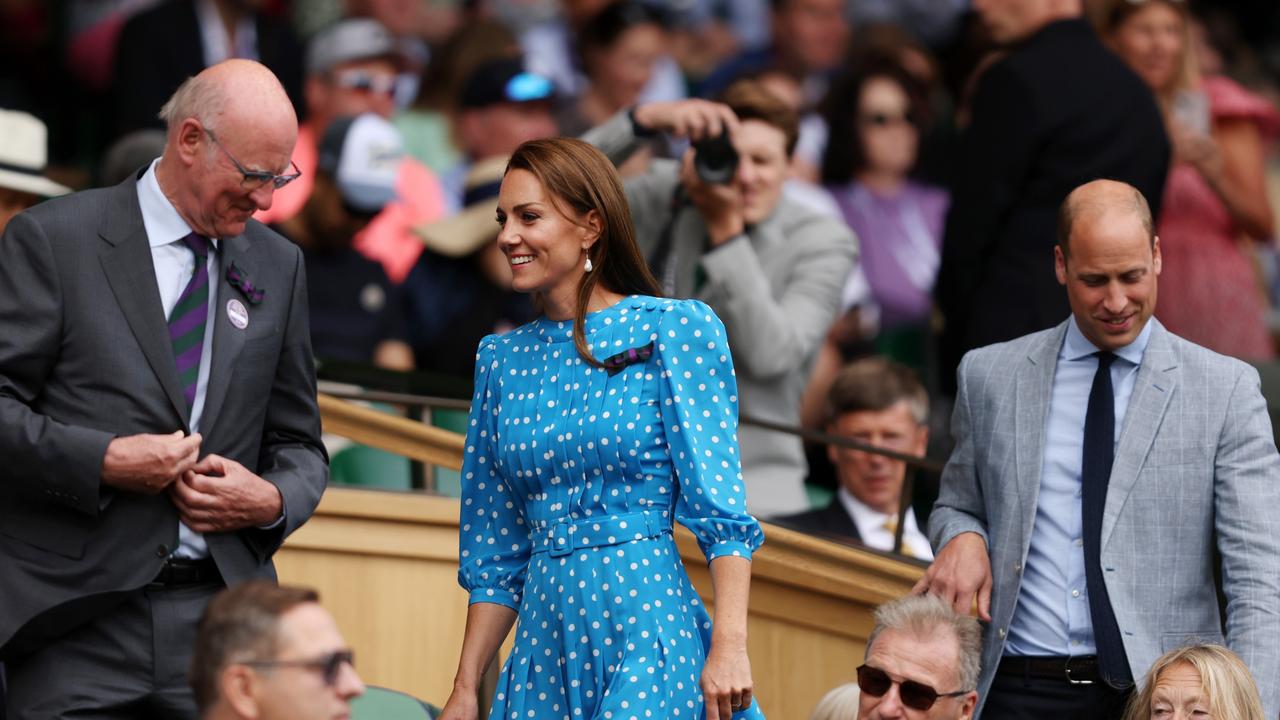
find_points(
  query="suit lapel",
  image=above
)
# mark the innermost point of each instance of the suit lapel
(1152, 388)
(131, 273)
(1034, 389)
(228, 339)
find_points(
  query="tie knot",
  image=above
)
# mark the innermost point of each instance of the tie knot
(1105, 359)
(198, 244)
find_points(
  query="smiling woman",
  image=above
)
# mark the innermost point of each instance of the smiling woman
(593, 428)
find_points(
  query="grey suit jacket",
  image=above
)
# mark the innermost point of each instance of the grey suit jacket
(777, 293)
(85, 357)
(1196, 468)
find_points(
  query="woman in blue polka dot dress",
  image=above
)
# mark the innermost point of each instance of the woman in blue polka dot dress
(592, 429)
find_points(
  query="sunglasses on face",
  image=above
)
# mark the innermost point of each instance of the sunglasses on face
(329, 666)
(917, 696)
(367, 82)
(254, 179)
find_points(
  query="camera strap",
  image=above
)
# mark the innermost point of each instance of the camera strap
(662, 260)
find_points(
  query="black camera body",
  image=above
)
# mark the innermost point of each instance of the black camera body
(715, 159)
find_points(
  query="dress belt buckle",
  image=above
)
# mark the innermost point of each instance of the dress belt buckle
(1071, 680)
(560, 542)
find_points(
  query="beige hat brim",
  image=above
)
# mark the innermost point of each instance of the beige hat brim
(462, 234)
(34, 184)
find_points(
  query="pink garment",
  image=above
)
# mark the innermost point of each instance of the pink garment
(388, 238)
(1209, 290)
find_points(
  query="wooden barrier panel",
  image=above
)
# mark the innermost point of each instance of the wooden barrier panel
(386, 566)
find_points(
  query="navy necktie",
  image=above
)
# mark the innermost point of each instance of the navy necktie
(1095, 473)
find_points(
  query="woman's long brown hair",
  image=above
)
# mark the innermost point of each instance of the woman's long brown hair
(579, 179)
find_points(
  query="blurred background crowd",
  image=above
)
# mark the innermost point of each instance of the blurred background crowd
(942, 133)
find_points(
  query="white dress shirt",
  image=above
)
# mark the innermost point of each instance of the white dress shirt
(872, 528)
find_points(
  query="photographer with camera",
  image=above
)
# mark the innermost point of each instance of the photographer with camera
(717, 227)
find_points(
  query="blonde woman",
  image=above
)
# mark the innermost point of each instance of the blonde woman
(1197, 681)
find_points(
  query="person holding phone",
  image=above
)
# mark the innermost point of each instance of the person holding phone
(1216, 192)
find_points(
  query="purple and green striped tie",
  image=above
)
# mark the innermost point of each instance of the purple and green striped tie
(187, 321)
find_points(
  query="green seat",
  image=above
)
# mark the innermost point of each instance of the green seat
(819, 496)
(379, 703)
(449, 482)
(369, 467)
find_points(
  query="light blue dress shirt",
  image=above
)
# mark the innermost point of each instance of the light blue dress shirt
(1052, 614)
(174, 264)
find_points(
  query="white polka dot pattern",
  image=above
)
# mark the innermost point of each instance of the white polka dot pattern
(613, 629)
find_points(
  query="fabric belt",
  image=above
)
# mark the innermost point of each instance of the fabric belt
(1079, 670)
(565, 536)
(179, 572)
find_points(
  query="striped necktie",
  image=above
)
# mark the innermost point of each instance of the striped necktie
(187, 321)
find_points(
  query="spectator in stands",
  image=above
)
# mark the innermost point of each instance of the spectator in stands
(1100, 469)
(771, 269)
(922, 662)
(460, 289)
(129, 153)
(356, 311)
(351, 69)
(23, 143)
(1057, 111)
(162, 46)
(502, 106)
(810, 39)
(270, 652)
(876, 111)
(1197, 681)
(1217, 191)
(880, 403)
(840, 703)
(619, 47)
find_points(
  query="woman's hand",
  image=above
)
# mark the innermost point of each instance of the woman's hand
(1198, 150)
(726, 680)
(462, 705)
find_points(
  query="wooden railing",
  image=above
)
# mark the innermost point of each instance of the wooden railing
(386, 566)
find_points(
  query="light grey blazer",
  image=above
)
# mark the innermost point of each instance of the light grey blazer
(776, 294)
(1196, 468)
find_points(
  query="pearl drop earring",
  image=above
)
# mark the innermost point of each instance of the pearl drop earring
(587, 266)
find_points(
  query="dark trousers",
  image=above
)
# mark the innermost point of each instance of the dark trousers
(1028, 698)
(130, 663)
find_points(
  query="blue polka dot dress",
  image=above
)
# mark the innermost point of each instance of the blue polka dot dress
(571, 479)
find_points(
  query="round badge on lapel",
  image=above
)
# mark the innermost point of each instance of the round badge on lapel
(237, 313)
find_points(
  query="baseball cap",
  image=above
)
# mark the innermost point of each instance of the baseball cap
(474, 226)
(504, 80)
(350, 40)
(362, 154)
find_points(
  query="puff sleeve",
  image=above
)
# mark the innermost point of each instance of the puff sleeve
(699, 399)
(493, 538)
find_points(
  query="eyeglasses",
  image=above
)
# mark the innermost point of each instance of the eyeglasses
(254, 179)
(881, 119)
(330, 666)
(366, 82)
(915, 695)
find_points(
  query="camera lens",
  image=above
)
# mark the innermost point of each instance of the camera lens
(715, 159)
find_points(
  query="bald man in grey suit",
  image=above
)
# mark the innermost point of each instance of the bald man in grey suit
(158, 419)
(1098, 466)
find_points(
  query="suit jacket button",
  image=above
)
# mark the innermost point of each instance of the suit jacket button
(1001, 632)
(162, 551)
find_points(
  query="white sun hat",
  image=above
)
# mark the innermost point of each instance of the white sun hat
(23, 155)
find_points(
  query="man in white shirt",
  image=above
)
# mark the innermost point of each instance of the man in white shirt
(881, 403)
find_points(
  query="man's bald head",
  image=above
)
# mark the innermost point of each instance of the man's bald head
(1098, 198)
(235, 91)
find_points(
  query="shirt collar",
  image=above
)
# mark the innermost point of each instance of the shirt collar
(163, 223)
(865, 516)
(1075, 346)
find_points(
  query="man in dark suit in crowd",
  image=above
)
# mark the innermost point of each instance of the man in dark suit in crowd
(881, 403)
(160, 47)
(158, 418)
(1058, 111)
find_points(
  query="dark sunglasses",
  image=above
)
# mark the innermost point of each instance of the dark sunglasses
(254, 179)
(917, 696)
(886, 120)
(366, 82)
(329, 666)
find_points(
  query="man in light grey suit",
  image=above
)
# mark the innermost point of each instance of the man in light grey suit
(772, 269)
(1098, 467)
(158, 420)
